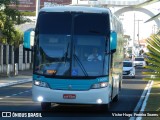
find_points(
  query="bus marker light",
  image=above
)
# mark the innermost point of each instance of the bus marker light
(51, 71)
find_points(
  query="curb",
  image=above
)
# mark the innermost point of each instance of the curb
(17, 82)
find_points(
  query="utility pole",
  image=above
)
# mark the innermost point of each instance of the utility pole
(138, 31)
(133, 37)
(138, 35)
(37, 8)
(153, 29)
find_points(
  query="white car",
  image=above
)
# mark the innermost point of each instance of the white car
(128, 69)
(139, 61)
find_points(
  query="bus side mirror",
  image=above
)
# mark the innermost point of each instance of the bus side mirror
(113, 41)
(28, 40)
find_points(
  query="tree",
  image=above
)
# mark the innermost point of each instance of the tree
(17, 38)
(153, 57)
(8, 18)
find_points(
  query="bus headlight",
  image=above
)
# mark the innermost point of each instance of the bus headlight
(40, 83)
(99, 85)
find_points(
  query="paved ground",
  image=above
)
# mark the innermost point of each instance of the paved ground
(22, 77)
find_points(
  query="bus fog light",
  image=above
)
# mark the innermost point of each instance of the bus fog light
(99, 101)
(40, 98)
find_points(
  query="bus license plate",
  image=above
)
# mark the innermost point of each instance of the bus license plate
(69, 96)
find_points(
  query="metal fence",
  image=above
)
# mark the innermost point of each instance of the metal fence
(12, 59)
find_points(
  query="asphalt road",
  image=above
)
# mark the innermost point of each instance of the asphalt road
(17, 98)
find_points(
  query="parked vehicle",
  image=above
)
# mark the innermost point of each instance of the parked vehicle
(128, 69)
(139, 61)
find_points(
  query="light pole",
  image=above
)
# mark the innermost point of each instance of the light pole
(154, 29)
(133, 37)
(138, 31)
(37, 7)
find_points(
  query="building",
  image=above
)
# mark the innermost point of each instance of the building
(30, 5)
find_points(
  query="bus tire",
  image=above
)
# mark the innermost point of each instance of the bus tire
(105, 107)
(120, 85)
(116, 98)
(133, 76)
(46, 106)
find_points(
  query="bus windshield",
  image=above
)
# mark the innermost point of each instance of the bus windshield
(70, 45)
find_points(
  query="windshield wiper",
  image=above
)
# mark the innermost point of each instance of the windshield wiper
(80, 64)
(94, 31)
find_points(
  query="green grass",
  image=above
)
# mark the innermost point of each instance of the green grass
(153, 103)
(27, 13)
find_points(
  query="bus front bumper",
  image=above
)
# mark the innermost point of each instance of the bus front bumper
(92, 96)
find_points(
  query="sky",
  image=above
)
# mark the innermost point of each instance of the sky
(145, 29)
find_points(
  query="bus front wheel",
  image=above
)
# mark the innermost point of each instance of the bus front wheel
(45, 106)
(116, 98)
(104, 107)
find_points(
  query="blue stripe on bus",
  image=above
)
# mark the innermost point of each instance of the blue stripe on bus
(65, 84)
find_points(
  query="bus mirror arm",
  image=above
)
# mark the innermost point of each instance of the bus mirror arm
(111, 52)
(28, 49)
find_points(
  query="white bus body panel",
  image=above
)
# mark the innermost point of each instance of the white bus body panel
(82, 97)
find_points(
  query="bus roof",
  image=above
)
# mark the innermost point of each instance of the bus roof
(69, 8)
